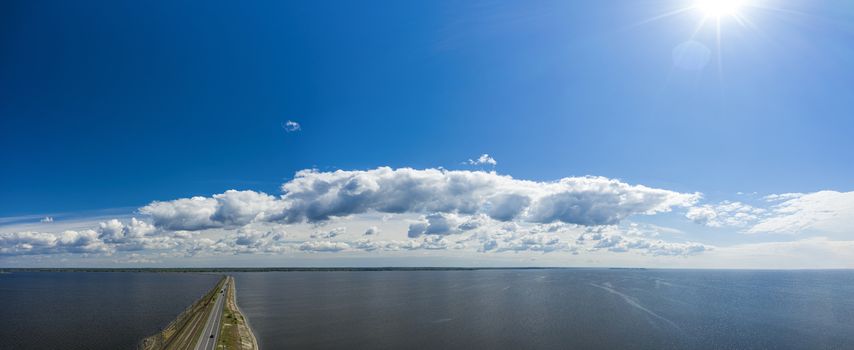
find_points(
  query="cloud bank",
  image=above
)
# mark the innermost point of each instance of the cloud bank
(314, 196)
(402, 210)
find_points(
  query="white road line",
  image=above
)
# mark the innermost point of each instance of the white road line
(212, 325)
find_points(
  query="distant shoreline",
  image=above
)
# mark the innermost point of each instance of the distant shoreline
(4, 270)
(284, 269)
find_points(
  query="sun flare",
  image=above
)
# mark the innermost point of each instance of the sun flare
(719, 8)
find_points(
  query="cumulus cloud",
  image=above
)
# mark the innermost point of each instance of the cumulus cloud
(26, 243)
(258, 238)
(291, 126)
(430, 243)
(314, 196)
(507, 206)
(530, 242)
(229, 209)
(620, 244)
(824, 211)
(448, 233)
(113, 231)
(135, 235)
(318, 196)
(434, 224)
(108, 237)
(725, 213)
(367, 245)
(417, 229)
(484, 159)
(182, 214)
(433, 209)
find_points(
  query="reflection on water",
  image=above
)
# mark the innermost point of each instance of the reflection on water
(99, 310)
(551, 309)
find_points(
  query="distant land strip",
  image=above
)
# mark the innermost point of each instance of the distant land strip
(286, 269)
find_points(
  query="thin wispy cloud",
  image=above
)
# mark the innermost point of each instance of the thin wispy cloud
(291, 126)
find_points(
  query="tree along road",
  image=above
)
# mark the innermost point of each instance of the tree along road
(208, 338)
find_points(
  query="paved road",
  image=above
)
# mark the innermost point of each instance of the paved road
(206, 342)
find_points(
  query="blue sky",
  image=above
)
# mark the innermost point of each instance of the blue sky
(108, 106)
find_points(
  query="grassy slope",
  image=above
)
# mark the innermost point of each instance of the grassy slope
(235, 333)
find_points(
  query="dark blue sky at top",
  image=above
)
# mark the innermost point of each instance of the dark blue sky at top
(107, 104)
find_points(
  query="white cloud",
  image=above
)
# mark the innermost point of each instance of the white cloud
(817, 213)
(46, 219)
(426, 242)
(314, 196)
(726, 213)
(637, 238)
(659, 247)
(435, 224)
(197, 246)
(782, 197)
(114, 236)
(529, 242)
(229, 209)
(25, 243)
(508, 206)
(331, 233)
(113, 231)
(617, 243)
(258, 238)
(431, 209)
(323, 246)
(822, 212)
(366, 245)
(182, 214)
(484, 159)
(318, 196)
(431, 243)
(703, 215)
(135, 235)
(108, 237)
(291, 126)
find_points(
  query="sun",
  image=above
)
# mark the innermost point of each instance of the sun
(719, 16)
(719, 8)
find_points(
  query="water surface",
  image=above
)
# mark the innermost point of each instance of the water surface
(551, 309)
(95, 310)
